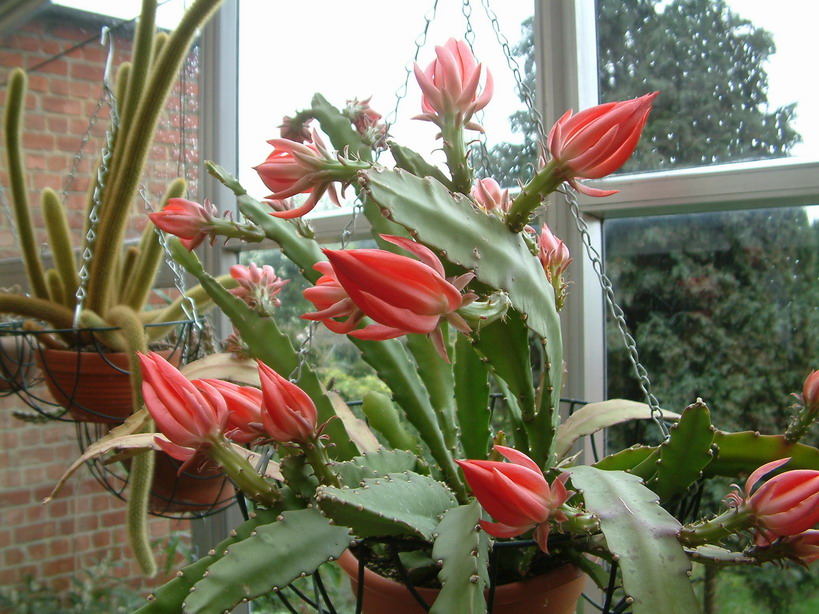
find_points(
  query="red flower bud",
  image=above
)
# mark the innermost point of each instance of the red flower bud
(596, 142)
(516, 495)
(288, 413)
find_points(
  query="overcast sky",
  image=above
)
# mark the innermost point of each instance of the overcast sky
(358, 48)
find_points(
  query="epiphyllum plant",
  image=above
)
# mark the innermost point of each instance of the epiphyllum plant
(444, 310)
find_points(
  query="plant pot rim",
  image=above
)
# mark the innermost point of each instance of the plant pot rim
(504, 593)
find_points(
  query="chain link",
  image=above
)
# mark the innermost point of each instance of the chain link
(591, 252)
(102, 175)
(420, 42)
(615, 310)
(469, 37)
(78, 155)
(188, 304)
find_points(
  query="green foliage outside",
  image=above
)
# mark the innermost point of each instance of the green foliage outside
(722, 305)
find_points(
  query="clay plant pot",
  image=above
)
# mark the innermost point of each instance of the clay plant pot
(555, 592)
(93, 387)
(201, 489)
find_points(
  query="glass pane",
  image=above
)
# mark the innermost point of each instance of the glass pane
(361, 53)
(729, 77)
(723, 306)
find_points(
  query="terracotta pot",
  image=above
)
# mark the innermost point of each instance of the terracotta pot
(93, 387)
(555, 592)
(201, 489)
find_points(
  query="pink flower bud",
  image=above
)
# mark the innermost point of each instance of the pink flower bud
(450, 85)
(288, 413)
(188, 220)
(553, 255)
(258, 287)
(596, 142)
(489, 196)
(516, 495)
(804, 546)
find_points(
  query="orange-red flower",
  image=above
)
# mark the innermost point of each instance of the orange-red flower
(450, 85)
(297, 168)
(288, 413)
(787, 504)
(402, 294)
(186, 219)
(244, 404)
(191, 416)
(598, 141)
(516, 495)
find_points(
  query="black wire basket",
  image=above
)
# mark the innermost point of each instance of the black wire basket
(81, 383)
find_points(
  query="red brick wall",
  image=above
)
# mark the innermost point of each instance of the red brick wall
(84, 523)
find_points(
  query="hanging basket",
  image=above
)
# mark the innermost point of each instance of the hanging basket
(85, 383)
(199, 491)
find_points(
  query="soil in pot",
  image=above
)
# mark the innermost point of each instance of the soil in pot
(555, 592)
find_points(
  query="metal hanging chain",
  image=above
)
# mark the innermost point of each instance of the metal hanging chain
(188, 304)
(102, 175)
(524, 90)
(615, 310)
(591, 252)
(420, 42)
(469, 37)
(78, 155)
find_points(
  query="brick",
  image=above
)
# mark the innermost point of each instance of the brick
(34, 122)
(35, 141)
(58, 566)
(54, 67)
(37, 83)
(61, 87)
(37, 551)
(65, 106)
(87, 72)
(34, 532)
(35, 162)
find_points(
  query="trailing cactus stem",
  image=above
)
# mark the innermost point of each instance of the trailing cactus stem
(716, 529)
(13, 125)
(56, 290)
(121, 188)
(59, 236)
(142, 467)
(40, 309)
(532, 194)
(242, 473)
(129, 97)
